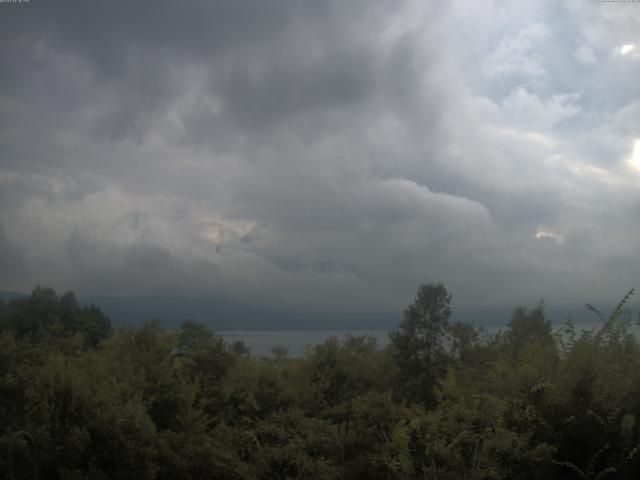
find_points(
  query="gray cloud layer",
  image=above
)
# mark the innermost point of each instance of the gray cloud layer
(321, 154)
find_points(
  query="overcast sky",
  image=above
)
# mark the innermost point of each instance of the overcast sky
(322, 154)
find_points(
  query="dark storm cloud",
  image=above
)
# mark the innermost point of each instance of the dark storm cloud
(325, 154)
(145, 268)
(12, 257)
(265, 59)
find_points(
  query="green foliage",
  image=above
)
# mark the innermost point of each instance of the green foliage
(527, 327)
(443, 401)
(420, 341)
(43, 316)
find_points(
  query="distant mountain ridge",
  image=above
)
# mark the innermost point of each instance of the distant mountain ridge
(6, 296)
(224, 315)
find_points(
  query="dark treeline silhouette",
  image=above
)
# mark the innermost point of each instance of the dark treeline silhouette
(443, 400)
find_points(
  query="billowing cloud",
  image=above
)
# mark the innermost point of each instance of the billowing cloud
(323, 155)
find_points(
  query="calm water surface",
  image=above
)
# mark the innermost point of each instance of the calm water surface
(296, 342)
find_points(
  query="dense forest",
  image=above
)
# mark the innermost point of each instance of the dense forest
(444, 400)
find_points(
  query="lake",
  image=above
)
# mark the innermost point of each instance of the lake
(296, 341)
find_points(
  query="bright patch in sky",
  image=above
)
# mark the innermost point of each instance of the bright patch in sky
(546, 234)
(635, 156)
(221, 231)
(624, 49)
